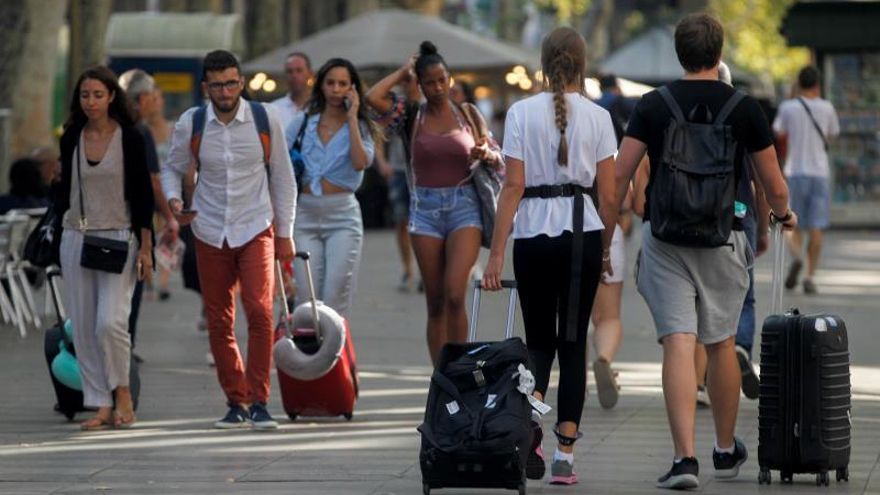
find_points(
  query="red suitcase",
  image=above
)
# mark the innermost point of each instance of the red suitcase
(332, 394)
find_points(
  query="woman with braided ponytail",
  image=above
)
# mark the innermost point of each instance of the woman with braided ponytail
(559, 149)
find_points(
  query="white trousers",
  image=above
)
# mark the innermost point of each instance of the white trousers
(98, 304)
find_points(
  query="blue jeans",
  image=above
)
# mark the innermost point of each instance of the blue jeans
(745, 331)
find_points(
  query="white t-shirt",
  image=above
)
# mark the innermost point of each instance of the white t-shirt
(806, 152)
(286, 110)
(530, 135)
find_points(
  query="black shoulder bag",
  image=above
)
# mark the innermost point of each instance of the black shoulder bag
(98, 253)
(815, 124)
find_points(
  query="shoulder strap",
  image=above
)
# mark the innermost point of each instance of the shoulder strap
(728, 107)
(472, 120)
(198, 128)
(298, 141)
(672, 104)
(813, 120)
(261, 120)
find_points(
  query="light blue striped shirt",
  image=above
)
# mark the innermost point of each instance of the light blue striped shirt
(331, 161)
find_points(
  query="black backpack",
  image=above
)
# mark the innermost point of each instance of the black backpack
(693, 189)
(477, 424)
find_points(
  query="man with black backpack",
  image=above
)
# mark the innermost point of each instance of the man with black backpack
(693, 266)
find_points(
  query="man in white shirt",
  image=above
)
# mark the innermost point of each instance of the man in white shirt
(242, 218)
(298, 70)
(807, 123)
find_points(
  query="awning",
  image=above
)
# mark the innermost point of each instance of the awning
(153, 34)
(842, 25)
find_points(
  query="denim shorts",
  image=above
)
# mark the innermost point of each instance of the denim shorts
(439, 211)
(811, 200)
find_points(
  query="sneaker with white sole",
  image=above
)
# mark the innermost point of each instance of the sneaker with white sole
(727, 465)
(682, 475)
(562, 473)
(703, 400)
(261, 418)
(751, 385)
(236, 417)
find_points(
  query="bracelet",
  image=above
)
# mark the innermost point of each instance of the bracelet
(782, 219)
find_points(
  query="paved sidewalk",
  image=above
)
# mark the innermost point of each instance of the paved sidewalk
(172, 449)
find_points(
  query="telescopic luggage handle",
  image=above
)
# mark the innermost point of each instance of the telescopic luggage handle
(51, 274)
(303, 255)
(778, 242)
(475, 309)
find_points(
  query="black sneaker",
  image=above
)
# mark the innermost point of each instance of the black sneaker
(236, 417)
(751, 386)
(727, 465)
(682, 476)
(261, 418)
(794, 270)
(535, 466)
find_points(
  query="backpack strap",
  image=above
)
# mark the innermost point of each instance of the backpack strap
(672, 104)
(261, 120)
(728, 107)
(198, 128)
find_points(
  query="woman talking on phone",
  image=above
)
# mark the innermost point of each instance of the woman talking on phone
(106, 202)
(337, 145)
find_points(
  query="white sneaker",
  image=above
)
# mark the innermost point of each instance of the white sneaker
(703, 397)
(209, 358)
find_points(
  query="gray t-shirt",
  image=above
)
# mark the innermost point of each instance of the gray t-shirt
(806, 150)
(103, 187)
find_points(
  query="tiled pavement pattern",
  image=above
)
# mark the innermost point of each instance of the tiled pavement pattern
(172, 449)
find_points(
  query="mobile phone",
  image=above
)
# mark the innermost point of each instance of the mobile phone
(346, 103)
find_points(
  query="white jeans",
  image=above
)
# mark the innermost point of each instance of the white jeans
(98, 304)
(331, 229)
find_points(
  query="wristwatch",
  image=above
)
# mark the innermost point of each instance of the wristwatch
(782, 219)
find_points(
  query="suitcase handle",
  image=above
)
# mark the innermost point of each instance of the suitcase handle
(778, 242)
(475, 309)
(51, 275)
(303, 255)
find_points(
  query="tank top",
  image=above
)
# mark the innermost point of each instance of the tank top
(441, 160)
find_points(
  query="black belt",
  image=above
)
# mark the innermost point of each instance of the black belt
(576, 192)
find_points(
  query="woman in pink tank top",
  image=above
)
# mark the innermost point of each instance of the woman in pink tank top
(442, 141)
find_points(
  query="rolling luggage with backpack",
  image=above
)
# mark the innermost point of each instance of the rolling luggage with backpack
(804, 420)
(477, 432)
(315, 358)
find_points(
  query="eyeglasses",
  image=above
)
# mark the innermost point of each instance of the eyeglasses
(230, 85)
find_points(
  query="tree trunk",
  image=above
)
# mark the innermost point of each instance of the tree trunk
(358, 7)
(88, 26)
(263, 26)
(427, 7)
(212, 6)
(510, 20)
(597, 29)
(14, 23)
(173, 5)
(32, 107)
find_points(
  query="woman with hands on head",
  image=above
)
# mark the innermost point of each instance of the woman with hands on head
(337, 145)
(104, 194)
(559, 147)
(443, 140)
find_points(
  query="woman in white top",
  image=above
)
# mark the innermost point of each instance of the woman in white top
(558, 146)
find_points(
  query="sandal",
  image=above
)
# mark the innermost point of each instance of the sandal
(123, 421)
(95, 423)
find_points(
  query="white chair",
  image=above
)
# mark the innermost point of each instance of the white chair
(10, 312)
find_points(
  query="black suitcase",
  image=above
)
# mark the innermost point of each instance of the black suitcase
(469, 390)
(804, 418)
(69, 400)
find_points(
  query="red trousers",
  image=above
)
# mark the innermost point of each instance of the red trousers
(220, 271)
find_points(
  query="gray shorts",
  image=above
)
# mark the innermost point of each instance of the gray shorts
(694, 290)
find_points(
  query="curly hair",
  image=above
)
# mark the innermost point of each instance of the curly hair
(564, 62)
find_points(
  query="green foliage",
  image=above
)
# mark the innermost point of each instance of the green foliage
(753, 38)
(565, 9)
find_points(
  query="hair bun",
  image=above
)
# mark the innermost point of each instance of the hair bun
(427, 48)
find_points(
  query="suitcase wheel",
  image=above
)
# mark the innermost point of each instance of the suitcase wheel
(764, 477)
(822, 478)
(521, 489)
(348, 417)
(426, 489)
(292, 416)
(785, 477)
(843, 474)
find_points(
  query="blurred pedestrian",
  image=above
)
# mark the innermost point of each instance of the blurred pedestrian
(26, 187)
(807, 122)
(442, 140)
(106, 204)
(559, 149)
(462, 92)
(337, 145)
(694, 286)
(298, 71)
(242, 217)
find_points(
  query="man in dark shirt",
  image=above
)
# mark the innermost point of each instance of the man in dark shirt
(697, 292)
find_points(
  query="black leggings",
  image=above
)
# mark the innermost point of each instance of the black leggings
(542, 267)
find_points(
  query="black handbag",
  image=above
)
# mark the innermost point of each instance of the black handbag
(98, 253)
(41, 246)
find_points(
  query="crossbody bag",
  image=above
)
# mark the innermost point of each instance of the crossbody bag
(98, 253)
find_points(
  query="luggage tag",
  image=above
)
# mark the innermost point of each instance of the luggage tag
(527, 386)
(539, 406)
(452, 407)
